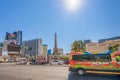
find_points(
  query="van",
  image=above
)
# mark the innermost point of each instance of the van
(102, 63)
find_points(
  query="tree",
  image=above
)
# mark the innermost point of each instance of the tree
(114, 47)
(78, 46)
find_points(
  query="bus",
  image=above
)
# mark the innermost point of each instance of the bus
(101, 63)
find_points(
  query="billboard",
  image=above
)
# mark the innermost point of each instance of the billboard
(11, 36)
(14, 38)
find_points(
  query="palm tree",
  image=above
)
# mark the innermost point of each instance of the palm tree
(114, 47)
(78, 46)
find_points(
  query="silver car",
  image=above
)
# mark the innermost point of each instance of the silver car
(56, 62)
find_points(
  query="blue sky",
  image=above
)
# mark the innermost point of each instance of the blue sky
(96, 19)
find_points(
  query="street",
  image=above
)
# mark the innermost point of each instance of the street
(73, 76)
(10, 71)
(32, 72)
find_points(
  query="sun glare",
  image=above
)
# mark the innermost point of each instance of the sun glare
(73, 5)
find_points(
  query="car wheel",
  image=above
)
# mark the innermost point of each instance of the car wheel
(81, 72)
(59, 64)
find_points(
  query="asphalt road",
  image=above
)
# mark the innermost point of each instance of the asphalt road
(74, 76)
(32, 72)
(45, 72)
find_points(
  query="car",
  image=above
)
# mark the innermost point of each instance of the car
(32, 62)
(56, 62)
(23, 62)
(66, 61)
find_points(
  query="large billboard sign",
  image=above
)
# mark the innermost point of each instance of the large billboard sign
(11, 36)
(14, 38)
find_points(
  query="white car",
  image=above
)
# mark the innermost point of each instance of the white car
(23, 62)
(56, 62)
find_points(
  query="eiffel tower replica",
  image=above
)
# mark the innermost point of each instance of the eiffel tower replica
(55, 49)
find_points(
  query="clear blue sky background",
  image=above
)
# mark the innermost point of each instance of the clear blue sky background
(97, 19)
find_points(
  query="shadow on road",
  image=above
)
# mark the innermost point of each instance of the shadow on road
(74, 76)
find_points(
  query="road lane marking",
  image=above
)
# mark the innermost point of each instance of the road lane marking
(103, 72)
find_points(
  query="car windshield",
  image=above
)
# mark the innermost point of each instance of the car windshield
(55, 61)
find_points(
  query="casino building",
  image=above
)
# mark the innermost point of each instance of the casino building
(12, 45)
(102, 45)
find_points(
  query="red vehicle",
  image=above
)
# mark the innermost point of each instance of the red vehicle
(43, 59)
